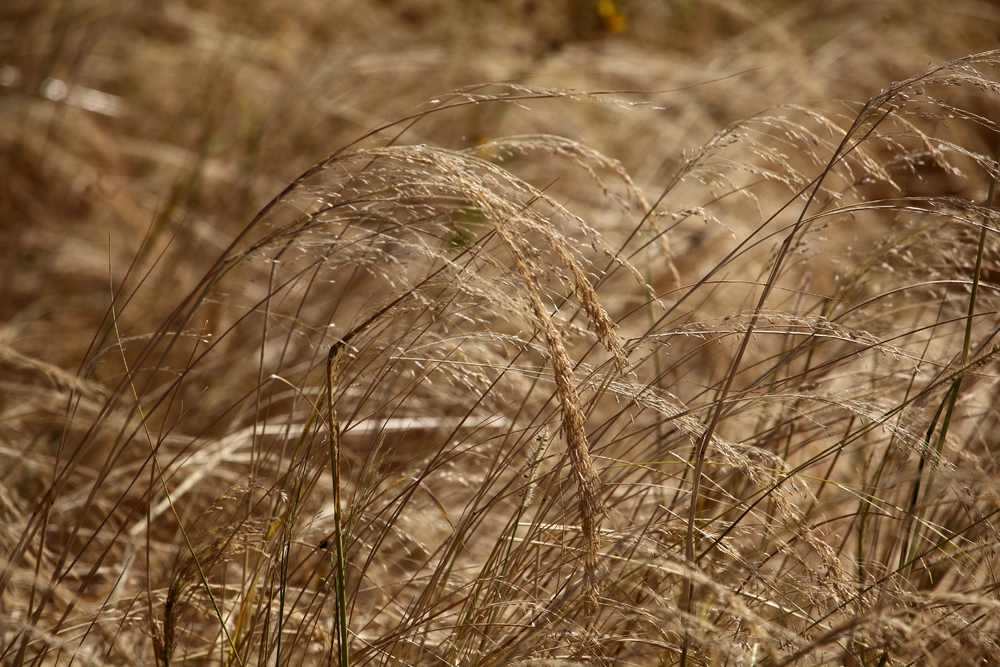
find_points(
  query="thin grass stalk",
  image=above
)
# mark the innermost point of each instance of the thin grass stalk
(702, 445)
(952, 395)
(289, 521)
(910, 543)
(529, 485)
(341, 629)
(45, 505)
(173, 509)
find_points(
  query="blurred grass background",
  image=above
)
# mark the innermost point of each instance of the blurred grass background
(150, 135)
(183, 118)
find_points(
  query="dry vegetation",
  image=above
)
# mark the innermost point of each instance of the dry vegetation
(654, 353)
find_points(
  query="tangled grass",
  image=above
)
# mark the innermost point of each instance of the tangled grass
(474, 407)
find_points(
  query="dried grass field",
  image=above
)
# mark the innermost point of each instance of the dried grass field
(499, 332)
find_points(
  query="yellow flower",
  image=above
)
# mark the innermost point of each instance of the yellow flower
(611, 16)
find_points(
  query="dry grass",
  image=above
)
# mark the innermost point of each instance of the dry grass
(469, 392)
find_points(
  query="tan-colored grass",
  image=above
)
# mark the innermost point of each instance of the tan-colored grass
(503, 399)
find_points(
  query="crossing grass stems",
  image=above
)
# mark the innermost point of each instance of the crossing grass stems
(428, 408)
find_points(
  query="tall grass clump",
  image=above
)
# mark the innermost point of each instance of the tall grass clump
(502, 405)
